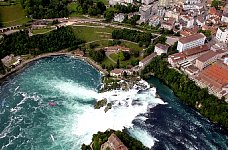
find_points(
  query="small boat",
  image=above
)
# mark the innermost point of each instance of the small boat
(52, 103)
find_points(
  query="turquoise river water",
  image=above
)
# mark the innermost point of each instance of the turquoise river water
(29, 122)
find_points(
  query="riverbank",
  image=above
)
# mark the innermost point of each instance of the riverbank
(59, 53)
(189, 93)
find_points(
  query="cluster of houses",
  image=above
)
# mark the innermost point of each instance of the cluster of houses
(203, 59)
(202, 63)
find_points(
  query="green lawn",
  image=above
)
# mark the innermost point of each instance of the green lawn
(93, 33)
(131, 45)
(12, 15)
(123, 64)
(41, 31)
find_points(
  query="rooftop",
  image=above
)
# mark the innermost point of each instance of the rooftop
(116, 143)
(177, 57)
(216, 75)
(196, 50)
(162, 46)
(208, 55)
(212, 11)
(193, 37)
(117, 71)
(148, 57)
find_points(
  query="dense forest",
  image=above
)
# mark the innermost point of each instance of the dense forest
(20, 43)
(208, 105)
(132, 35)
(45, 8)
(101, 137)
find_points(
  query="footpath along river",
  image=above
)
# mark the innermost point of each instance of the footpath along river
(28, 122)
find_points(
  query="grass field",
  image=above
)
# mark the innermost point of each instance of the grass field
(12, 15)
(41, 31)
(93, 33)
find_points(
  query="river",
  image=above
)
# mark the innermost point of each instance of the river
(28, 121)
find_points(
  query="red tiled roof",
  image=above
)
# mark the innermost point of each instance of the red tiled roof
(192, 38)
(196, 50)
(216, 75)
(212, 11)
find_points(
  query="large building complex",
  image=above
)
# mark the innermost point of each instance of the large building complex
(191, 41)
(215, 77)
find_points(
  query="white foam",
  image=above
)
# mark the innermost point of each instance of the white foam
(83, 120)
(72, 89)
(143, 136)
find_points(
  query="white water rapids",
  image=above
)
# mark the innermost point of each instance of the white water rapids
(83, 120)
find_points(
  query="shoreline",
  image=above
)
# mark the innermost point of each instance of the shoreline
(24, 64)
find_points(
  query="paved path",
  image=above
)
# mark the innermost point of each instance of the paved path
(108, 55)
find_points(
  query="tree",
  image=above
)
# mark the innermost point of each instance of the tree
(108, 15)
(215, 3)
(118, 63)
(121, 56)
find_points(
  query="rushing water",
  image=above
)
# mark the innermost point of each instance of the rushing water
(27, 121)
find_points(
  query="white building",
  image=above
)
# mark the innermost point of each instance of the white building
(145, 12)
(172, 14)
(114, 2)
(187, 21)
(128, 1)
(119, 17)
(192, 1)
(147, 2)
(224, 17)
(163, 3)
(116, 72)
(200, 21)
(161, 49)
(222, 35)
(191, 41)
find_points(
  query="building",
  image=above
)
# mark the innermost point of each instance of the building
(145, 12)
(161, 49)
(172, 14)
(143, 63)
(224, 17)
(215, 78)
(168, 23)
(128, 1)
(79, 53)
(147, 2)
(191, 41)
(192, 4)
(200, 21)
(119, 17)
(116, 72)
(222, 34)
(114, 2)
(187, 56)
(163, 3)
(208, 58)
(175, 59)
(186, 21)
(113, 143)
(154, 21)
